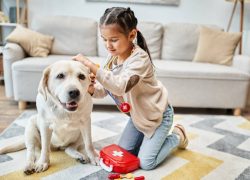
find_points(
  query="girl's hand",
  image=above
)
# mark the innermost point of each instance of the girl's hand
(91, 88)
(82, 59)
(93, 67)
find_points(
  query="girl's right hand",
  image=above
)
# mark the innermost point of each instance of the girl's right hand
(92, 66)
(82, 59)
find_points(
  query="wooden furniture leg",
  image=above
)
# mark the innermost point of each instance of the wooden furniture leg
(237, 112)
(242, 4)
(22, 105)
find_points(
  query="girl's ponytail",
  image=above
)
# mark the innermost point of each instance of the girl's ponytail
(142, 43)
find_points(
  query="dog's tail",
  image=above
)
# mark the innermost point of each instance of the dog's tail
(16, 144)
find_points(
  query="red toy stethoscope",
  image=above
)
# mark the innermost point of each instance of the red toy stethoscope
(123, 106)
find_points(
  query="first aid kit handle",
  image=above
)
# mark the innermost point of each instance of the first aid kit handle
(105, 167)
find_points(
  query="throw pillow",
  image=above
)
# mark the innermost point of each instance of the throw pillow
(33, 43)
(216, 46)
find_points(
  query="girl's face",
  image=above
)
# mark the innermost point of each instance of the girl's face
(116, 42)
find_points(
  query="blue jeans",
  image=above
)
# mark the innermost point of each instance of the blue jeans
(151, 151)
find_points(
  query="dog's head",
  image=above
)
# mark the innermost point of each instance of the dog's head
(66, 82)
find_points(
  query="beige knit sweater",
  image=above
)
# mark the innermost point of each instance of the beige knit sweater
(147, 96)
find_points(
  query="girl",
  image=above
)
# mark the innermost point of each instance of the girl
(128, 76)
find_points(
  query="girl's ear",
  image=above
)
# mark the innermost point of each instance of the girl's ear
(132, 34)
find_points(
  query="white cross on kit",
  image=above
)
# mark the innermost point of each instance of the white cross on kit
(117, 153)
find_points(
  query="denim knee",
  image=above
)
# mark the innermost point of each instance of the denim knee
(147, 164)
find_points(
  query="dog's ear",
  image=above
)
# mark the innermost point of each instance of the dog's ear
(43, 85)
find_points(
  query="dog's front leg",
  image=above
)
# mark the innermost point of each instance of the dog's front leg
(32, 141)
(86, 134)
(45, 132)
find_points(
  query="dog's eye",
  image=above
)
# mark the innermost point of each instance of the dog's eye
(81, 76)
(60, 76)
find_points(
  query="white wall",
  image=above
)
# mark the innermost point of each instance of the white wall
(194, 11)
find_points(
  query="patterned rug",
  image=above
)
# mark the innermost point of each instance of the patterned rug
(219, 149)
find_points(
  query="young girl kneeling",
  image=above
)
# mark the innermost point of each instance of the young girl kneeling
(129, 76)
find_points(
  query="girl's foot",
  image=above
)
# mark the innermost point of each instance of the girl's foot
(179, 129)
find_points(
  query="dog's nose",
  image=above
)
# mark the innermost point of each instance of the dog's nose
(74, 93)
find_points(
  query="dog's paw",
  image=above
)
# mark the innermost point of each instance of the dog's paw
(40, 167)
(82, 159)
(95, 161)
(29, 168)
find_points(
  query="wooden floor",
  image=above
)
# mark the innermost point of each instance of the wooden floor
(9, 110)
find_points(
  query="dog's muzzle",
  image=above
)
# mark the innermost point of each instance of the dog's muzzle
(72, 104)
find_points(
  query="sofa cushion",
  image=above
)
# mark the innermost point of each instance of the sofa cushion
(180, 41)
(203, 85)
(187, 70)
(33, 43)
(216, 46)
(151, 31)
(72, 35)
(178, 69)
(36, 64)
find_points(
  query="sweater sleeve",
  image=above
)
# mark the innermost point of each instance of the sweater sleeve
(136, 66)
(99, 91)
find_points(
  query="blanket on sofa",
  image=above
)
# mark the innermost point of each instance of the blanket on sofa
(218, 149)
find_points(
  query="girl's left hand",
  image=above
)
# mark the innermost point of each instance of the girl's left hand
(82, 59)
(91, 88)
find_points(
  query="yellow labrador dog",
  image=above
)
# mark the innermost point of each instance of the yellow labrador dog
(63, 120)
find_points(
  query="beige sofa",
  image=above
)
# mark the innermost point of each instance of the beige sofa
(172, 46)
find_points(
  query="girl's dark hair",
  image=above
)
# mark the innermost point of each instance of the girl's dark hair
(125, 18)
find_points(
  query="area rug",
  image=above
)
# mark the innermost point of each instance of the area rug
(219, 149)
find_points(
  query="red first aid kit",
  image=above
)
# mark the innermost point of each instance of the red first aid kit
(116, 159)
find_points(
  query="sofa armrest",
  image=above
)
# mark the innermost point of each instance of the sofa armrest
(242, 62)
(11, 53)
